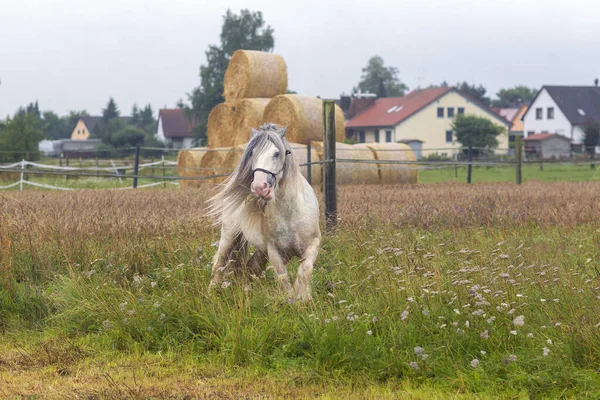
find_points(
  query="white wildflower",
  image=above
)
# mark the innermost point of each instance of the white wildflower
(467, 324)
(512, 358)
(558, 324)
(511, 311)
(107, 324)
(483, 352)
(485, 334)
(123, 305)
(530, 335)
(414, 365)
(369, 332)
(475, 363)
(328, 320)
(519, 321)
(404, 315)
(152, 284)
(334, 318)
(546, 351)
(457, 311)
(513, 333)
(156, 305)
(549, 341)
(162, 317)
(419, 350)
(425, 312)
(225, 284)
(491, 320)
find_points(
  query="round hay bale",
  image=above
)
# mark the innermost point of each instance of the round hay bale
(300, 154)
(254, 74)
(394, 173)
(188, 164)
(219, 126)
(303, 115)
(212, 163)
(230, 124)
(352, 173)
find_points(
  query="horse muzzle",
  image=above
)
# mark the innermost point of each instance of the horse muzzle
(261, 186)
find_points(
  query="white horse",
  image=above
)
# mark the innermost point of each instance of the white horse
(267, 203)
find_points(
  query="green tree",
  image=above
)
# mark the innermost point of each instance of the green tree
(379, 79)
(591, 135)
(478, 132)
(244, 31)
(147, 117)
(135, 115)
(477, 92)
(128, 136)
(55, 127)
(514, 97)
(111, 111)
(20, 135)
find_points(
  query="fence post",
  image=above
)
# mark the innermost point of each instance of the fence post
(163, 169)
(592, 157)
(97, 166)
(308, 161)
(519, 156)
(136, 165)
(329, 184)
(21, 181)
(470, 166)
(67, 174)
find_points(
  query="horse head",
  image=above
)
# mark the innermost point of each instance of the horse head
(268, 154)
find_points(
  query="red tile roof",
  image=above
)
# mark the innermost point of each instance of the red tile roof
(544, 136)
(174, 123)
(406, 106)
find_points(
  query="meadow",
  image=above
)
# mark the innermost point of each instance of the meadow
(488, 290)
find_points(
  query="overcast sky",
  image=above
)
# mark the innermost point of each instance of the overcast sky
(73, 55)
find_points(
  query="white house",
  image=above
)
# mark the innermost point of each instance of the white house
(562, 110)
(174, 128)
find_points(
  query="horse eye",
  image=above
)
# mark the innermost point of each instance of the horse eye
(276, 154)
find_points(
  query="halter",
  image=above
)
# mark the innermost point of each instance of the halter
(273, 174)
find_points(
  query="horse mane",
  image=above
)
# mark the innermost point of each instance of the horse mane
(236, 188)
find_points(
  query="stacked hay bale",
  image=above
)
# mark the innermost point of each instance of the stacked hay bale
(393, 173)
(188, 165)
(352, 173)
(303, 116)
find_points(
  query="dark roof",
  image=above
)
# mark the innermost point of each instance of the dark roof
(391, 111)
(571, 99)
(543, 136)
(174, 123)
(92, 122)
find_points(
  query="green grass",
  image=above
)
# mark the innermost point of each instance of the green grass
(551, 172)
(380, 294)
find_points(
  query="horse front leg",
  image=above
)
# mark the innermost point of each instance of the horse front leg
(228, 246)
(257, 262)
(278, 264)
(302, 284)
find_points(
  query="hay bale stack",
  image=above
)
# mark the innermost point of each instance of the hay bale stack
(300, 154)
(303, 115)
(229, 124)
(394, 173)
(352, 173)
(212, 163)
(254, 74)
(188, 164)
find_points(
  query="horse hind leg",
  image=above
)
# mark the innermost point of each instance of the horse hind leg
(302, 284)
(257, 263)
(226, 257)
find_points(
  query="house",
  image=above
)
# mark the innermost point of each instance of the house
(548, 146)
(87, 126)
(174, 128)
(513, 115)
(424, 115)
(562, 110)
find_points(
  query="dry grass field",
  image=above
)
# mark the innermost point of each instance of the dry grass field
(425, 291)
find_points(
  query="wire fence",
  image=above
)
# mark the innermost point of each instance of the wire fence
(101, 170)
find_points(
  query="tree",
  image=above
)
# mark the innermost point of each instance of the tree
(72, 119)
(20, 136)
(129, 136)
(591, 135)
(244, 31)
(379, 79)
(477, 92)
(514, 97)
(478, 132)
(111, 111)
(147, 116)
(135, 115)
(55, 127)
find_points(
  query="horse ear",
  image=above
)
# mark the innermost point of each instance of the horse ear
(282, 132)
(253, 132)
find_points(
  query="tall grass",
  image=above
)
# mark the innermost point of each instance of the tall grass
(484, 289)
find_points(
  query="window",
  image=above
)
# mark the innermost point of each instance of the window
(460, 110)
(440, 112)
(388, 136)
(550, 113)
(376, 135)
(538, 113)
(448, 136)
(450, 112)
(511, 138)
(529, 133)
(361, 136)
